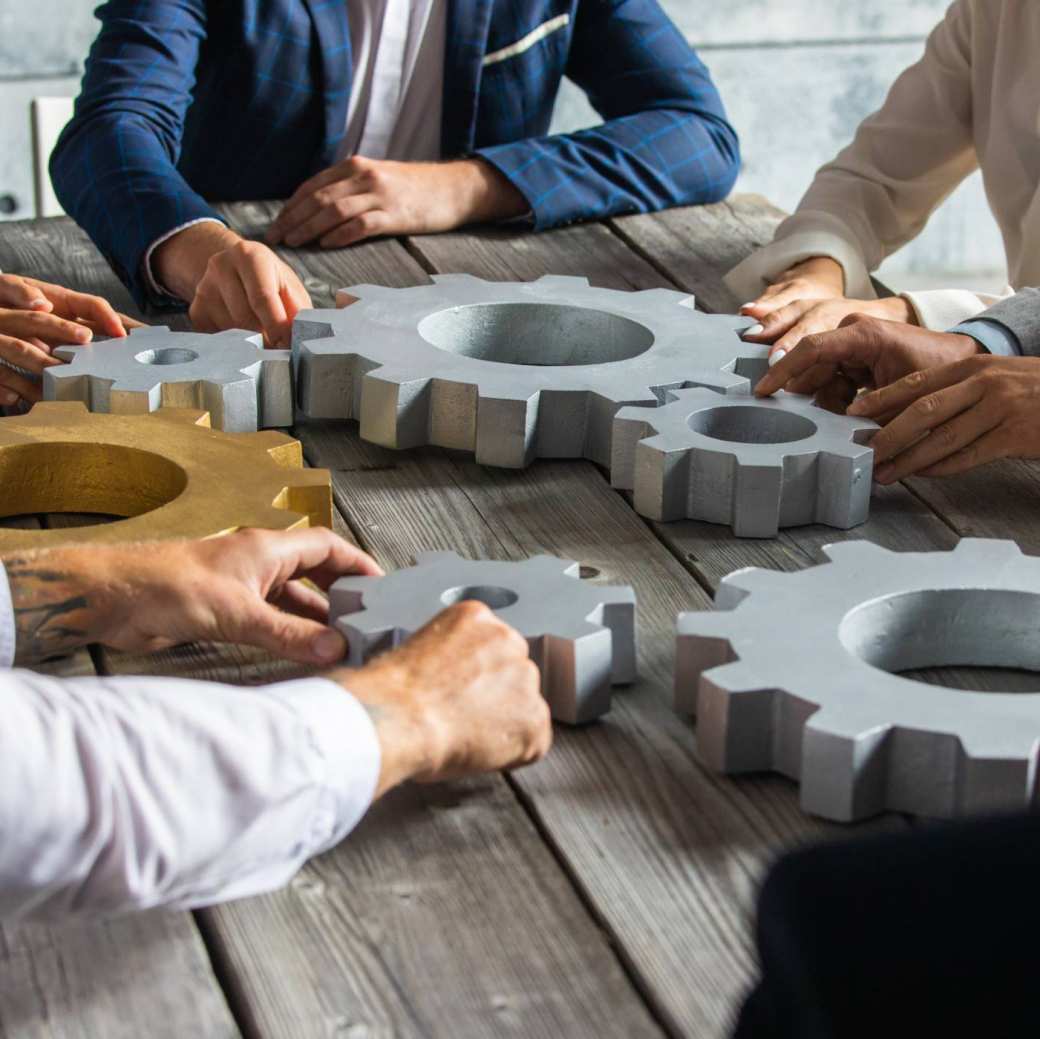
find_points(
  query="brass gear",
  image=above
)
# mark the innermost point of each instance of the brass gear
(167, 472)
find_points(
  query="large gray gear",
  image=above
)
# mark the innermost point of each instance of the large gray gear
(755, 464)
(797, 674)
(229, 374)
(581, 635)
(511, 371)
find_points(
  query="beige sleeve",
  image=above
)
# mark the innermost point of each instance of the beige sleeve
(941, 309)
(879, 192)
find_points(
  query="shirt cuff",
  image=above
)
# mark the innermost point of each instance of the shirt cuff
(992, 336)
(7, 625)
(345, 737)
(161, 294)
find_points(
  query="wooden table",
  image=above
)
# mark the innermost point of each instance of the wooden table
(605, 892)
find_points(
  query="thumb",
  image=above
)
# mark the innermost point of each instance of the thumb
(17, 293)
(292, 637)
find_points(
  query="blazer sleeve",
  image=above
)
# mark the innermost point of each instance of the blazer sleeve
(879, 192)
(114, 168)
(665, 141)
(1019, 315)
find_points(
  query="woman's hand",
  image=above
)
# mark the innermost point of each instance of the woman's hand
(97, 314)
(956, 417)
(808, 300)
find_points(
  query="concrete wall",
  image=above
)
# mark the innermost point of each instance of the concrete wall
(796, 76)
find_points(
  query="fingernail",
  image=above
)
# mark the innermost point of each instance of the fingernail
(855, 407)
(329, 646)
(754, 330)
(39, 304)
(84, 335)
(883, 473)
(777, 356)
(7, 397)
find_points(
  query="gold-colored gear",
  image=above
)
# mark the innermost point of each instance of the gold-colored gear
(167, 472)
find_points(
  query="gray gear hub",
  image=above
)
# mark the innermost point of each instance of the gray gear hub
(755, 464)
(243, 386)
(581, 635)
(797, 673)
(510, 371)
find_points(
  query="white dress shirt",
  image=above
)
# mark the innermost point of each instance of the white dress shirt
(126, 793)
(395, 107)
(971, 101)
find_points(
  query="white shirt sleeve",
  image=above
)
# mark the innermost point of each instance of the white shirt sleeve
(119, 794)
(880, 191)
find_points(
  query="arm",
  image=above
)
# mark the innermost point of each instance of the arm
(881, 190)
(149, 792)
(115, 165)
(1016, 322)
(665, 140)
(115, 171)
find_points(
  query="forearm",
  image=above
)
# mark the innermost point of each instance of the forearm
(150, 792)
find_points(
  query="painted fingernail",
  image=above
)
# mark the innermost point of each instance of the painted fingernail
(328, 646)
(754, 330)
(39, 304)
(777, 356)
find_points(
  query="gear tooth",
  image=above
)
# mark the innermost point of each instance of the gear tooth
(734, 677)
(562, 280)
(67, 353)
(988, 549)
(457, 279)
(434, 556)
(347, 595)
(553, 565)
(736, 587)
(65, 371)
(149, 330)
(856, 552)
(666, 298)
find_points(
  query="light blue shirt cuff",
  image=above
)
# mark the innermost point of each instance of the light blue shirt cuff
(992, 336)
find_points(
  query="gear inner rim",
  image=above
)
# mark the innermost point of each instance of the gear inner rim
(946, 627)
(536, 334)
(751, 424)
(495, 597)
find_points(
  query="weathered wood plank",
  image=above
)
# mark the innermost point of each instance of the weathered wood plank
(695, 246)
(142, 975)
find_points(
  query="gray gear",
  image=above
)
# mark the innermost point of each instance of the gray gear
(243, 386)
(797, 673)
(755, 464)
(581, 635)
(511, 371)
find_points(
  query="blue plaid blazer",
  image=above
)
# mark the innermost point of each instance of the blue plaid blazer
(185, 102)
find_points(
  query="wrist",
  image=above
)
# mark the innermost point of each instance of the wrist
(180, 262)
(823, 271)
(402, 728)
(895, 308)
(483, 194)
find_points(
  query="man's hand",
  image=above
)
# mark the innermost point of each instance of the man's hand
(359, 198)
(230, 282)
(246, 587)
(461, 697)
(863, 352)
(955, 417)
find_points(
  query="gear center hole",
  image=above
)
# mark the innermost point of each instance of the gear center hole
(978, 640)
(101, 479)
(536, 334)
(493, 597)
(167, 355)
(746, 424)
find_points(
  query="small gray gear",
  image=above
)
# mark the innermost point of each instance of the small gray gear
(510, 371)
(229, 374)
(798, 673)
(581, 635)
(755, 464)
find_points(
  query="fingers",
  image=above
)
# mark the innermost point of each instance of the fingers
(988, 448)
(926, 414)
(898, 395)
(773, 299)
(315, 553)
(96, 312)
(27, 355)
(300, 598)
(286, 635)
(331, 208)
(15, 387)
(47, 328)
(854, 345)
(367, 225)
(310, 198)
(21, 294)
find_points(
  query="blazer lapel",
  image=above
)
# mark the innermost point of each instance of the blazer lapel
(333, 32)
(468, 24)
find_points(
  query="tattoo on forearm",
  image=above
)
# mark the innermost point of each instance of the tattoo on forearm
(51, 613)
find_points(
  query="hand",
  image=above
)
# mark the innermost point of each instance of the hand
(245, 587)
(97, 314)
(359, 198)
(26, 339)
(863, 352)
(230, 282)
(955, 417)
(460, 697)
(817, 278)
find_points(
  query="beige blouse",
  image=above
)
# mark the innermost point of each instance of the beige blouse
(973, 100)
